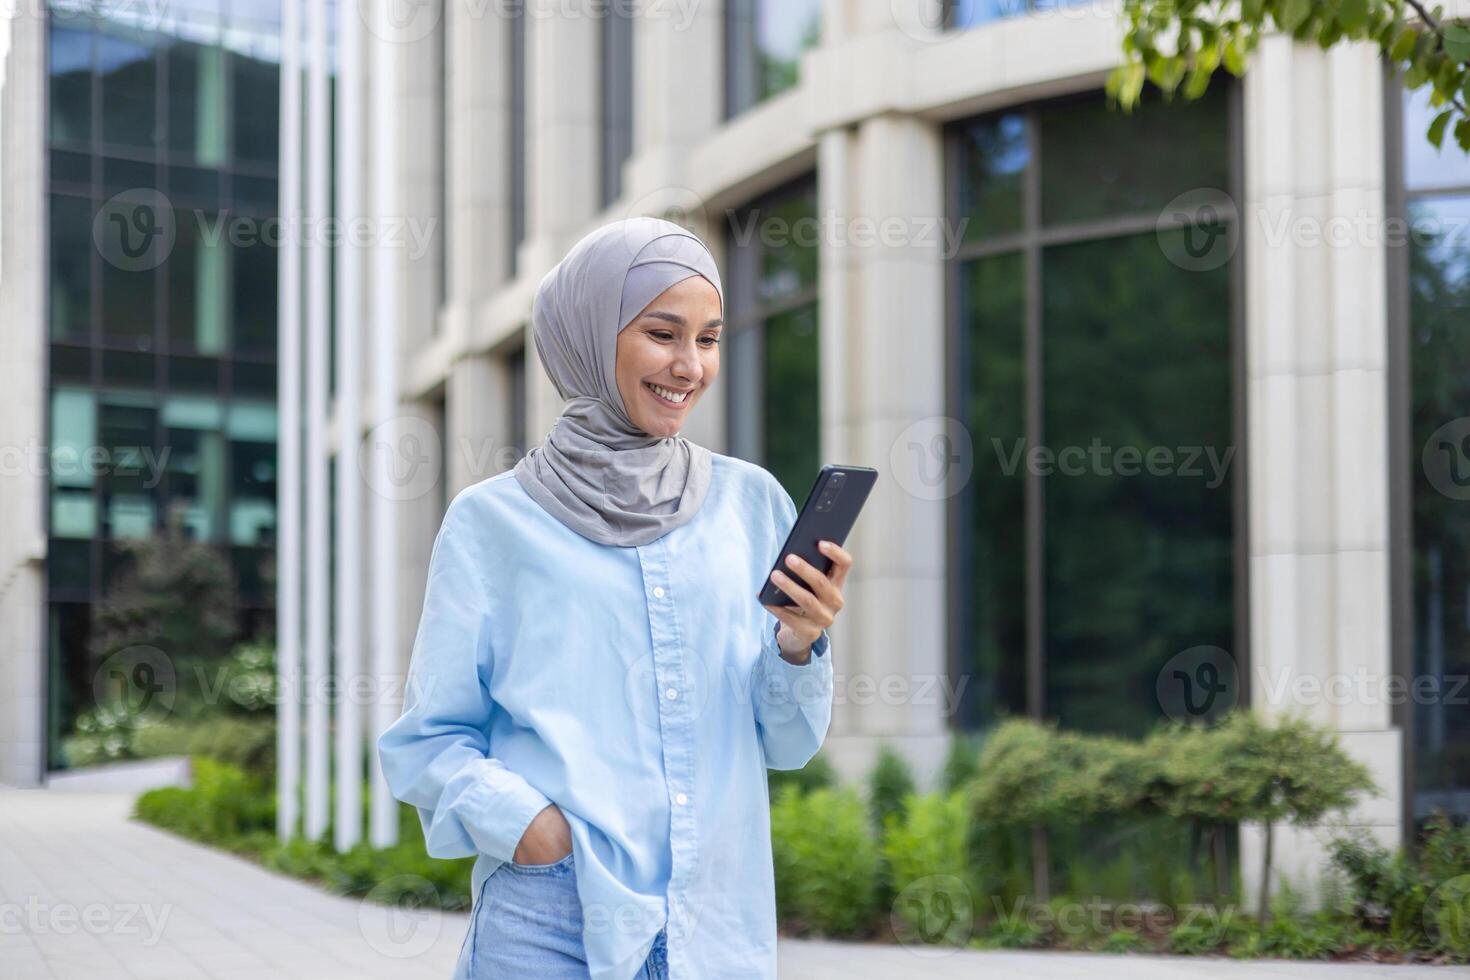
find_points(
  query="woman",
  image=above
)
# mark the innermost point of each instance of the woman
(595, 693)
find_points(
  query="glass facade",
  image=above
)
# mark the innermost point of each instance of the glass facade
(764, 42)
(961, 14)
(1094, 374)
(616, 105)
(1430, 270)
(162, 295)
(771, 363)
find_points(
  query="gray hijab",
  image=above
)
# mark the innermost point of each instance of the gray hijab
(596, 471)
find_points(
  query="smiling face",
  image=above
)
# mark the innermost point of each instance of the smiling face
(674, 344)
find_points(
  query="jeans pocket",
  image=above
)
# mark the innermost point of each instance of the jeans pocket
(560, 863)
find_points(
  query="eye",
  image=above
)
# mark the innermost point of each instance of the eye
(661, 334)
(712, 340)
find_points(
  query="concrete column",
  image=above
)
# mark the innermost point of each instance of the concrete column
(884, 337)
(288, 448)
(23, 492)
(1316, 353)
(477, 438)
(561, 130)
(420, 148)
(678, 100)
(479, 150)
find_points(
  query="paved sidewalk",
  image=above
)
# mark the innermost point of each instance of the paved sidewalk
(86, 894)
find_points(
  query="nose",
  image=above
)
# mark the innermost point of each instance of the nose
(686, 365)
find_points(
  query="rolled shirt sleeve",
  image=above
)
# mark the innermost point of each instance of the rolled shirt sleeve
(793, 702)
(436, 755)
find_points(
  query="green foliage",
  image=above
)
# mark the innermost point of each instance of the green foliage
(826, 860)
(1246, 769)
(888, 784)
(249, 743)
(815, 774)
(962, 764)
(235, 810)
(1407, 900)
(104, 734)
(1178, 45)
(926, 851)
(1032, 774)
(224, 803)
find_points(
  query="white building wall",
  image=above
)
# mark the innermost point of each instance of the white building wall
(23, 478)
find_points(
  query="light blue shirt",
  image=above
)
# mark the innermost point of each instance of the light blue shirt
(640, 689)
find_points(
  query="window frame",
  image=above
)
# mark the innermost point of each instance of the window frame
(1030, 242)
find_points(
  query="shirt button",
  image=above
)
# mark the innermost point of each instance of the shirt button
(658, 591)
(681, 799)
(671, 694)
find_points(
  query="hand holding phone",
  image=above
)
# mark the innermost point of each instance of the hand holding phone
(829, 513)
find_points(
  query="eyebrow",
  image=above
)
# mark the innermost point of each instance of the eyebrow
(679, 320)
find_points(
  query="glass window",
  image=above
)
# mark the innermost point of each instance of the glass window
(1115, 529)
(617, 100)
(128, 69)
(1089, 174)
(73, 436)
(256, 95)
(201, 293)
(1435, 270)
(71, 267)
(764, 42)
(961, 14)
(71, 85)
(770, 338)
(197, 120)
(992, 508)
(990, 158)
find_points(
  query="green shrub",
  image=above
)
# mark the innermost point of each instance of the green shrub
(816, 774)
(249, 743)
(927, 857)
(224, 803)
(888, 784)
(826, 860)
(104, 734)
(962, 763)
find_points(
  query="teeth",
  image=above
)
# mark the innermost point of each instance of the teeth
(673, 396)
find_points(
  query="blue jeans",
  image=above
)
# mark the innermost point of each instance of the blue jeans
(527, 922)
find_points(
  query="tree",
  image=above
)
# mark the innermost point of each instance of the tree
(1169, 42)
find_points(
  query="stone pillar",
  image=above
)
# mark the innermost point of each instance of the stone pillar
(882, 334)
(1316, 352)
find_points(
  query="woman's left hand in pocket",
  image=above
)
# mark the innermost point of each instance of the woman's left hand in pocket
(818, 600)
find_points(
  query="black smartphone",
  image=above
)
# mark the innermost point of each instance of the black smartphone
(830, 511)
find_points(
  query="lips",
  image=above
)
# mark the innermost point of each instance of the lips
(670, 403)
